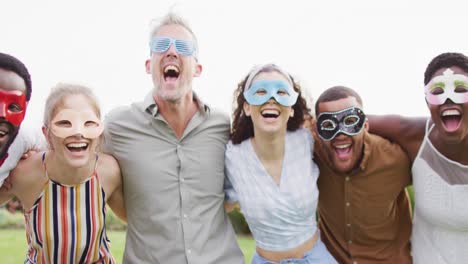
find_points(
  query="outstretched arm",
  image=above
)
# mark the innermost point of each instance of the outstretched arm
(408, 132)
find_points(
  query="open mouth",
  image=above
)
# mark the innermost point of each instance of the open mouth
(171, 73)
(270, 113)
(451, 119)
(77, 147)
(343, 151)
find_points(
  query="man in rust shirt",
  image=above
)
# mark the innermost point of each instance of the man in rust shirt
(364, 210)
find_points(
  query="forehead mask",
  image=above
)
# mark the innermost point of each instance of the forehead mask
(447, 86)
(260, 91)
(70, 122)
(349, 121)
(13, 106)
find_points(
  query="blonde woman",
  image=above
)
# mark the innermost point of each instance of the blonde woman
(64, 190)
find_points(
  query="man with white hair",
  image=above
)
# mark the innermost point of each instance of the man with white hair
(171, 149)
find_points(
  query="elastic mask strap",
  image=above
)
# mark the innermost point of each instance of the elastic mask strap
(256, 70)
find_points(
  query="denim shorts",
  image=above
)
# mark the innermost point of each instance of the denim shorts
(317, 255)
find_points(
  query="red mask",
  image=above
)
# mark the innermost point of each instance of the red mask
(13, 106)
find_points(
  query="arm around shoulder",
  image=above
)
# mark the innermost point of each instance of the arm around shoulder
(5, 195)
(31, 138)
(408, 132)
(113, 185)
(27, 179)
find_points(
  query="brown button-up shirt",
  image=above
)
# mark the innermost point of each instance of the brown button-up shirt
(365, 216)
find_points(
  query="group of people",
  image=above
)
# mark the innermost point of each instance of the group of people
(329, 188)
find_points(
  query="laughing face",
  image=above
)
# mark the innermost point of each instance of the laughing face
(343, 151)
(450, 118)
(71, 132)
(172, 72)
(12, 108)
(271, 116)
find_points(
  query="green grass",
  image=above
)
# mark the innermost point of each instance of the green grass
(247, 245)
(13, 245)
(410, 190)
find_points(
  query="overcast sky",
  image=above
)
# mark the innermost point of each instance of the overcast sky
(379, 48)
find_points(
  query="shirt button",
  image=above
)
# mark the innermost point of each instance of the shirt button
(189, 251)
(350, 241)
(348, 225)
(347, 178)
(185, 215)
(347, 204)
(182, 179)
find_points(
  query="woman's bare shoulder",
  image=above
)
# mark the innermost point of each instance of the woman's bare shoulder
(108, 167)
(108, 162)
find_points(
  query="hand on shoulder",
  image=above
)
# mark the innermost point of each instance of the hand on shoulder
(28, 179)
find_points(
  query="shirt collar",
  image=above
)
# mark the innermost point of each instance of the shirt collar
(365, 155)
(150, 106)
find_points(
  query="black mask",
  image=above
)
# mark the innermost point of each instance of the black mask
(349, 121)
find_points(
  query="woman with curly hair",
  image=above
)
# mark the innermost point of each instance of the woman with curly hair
(270, 171)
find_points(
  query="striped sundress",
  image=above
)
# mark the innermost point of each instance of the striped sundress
(66, 224)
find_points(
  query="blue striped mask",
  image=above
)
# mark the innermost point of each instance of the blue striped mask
(182, 46)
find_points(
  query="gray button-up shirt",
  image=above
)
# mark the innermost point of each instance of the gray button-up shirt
(173, 188)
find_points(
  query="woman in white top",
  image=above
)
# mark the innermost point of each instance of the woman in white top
(270, 171)
(438, 148)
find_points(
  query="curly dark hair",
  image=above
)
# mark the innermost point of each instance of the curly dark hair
(445, 60)
(10, 63)
(242, 126)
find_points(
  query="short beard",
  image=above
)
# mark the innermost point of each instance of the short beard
(7, 145)
(173, 97)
